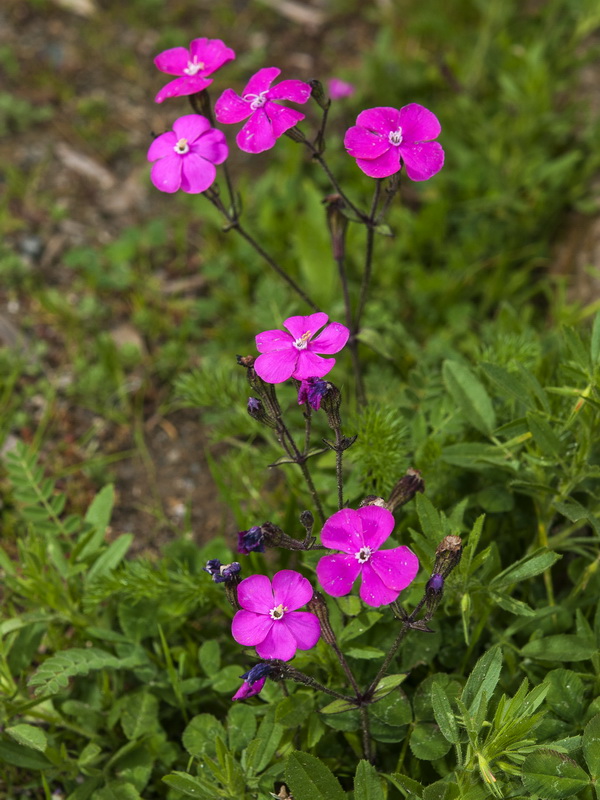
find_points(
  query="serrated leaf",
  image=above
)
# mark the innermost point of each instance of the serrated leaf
(54, 673)
(470, 396)
(98, 514)
(292, 712)
(552, 775)
(139, 715)
(308, 778)
(591, 745)
(483, 678)
(507, 383)
(367, 783)
(201, 733)
(444, 716)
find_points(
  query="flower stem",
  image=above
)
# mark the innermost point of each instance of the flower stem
(366, 280)
(352, 342)
(366, 736)
(387, 660)
(300, 459)
(294, 674)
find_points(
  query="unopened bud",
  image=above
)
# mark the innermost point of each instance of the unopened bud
(257, 411)
(337, 222)
(447, 555)
(433, 593)
(318, 606)
(307, 521)
(330, 404)
(296, 135)
(406, 489)
(318, 94)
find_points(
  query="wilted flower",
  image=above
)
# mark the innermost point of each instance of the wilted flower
(293, 355)
(204, 57)
(359, 535)
(312, 391)
(251, 541)
(185, 157)
(269, 619)
(268, 120)
(221, 573)
(254, 680)
(385, 138)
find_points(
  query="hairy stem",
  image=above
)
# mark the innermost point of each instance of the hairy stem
(366, 279)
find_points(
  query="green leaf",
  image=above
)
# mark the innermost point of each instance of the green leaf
(367, 783)
(18, 755)
(209, 657)
(365, 653)
(444, 716)
(595, 341)
(387, 685)
(292, 712)
(527, 567)
(29, 735)
(118, 790)
(483, 679)
(98, 515)
(241, 726)
(308, 778)
(408, 786)
(139, 715)
(507, 383)
(191, 787)
(260, 751)
(562, 647)
(470, 396)
(591, 746)
(565, 694)
(427, 742)
(201, 733)
(54, 673)
(544, 436)
(552, 775)
(337, 706)
(111, 557)
(513, 606)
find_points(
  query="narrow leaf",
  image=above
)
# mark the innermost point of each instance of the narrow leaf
(310, 779)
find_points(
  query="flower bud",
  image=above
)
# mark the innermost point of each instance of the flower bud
(318, 94)
(307, 521)
(257, 411)
(331, 402)
(295, 134)
(406, 489)
(251, 541)
(318, 607)
(337, 223)
(447, 555)
(433, 593)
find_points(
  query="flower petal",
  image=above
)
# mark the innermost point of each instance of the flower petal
(276, 367)
(396, 568)
(190, 127)
(162, 146)
(291, 589)
(255, 594)
(373, 591)
(382, 167)
(278, 643)
(305, 628)
(166, 173)
(172, 61)
(212, 146)
(182, 87)
(298, 326)
(336, 574)
(418, 124)
(257, 134)
(361, 143)
(250, 629)
(246, 690)
(230, 107)
(330, 340)
(273, 341)
(422, 161)
(377, 524)
(197, 174)
(382, 119)
(343, 531)
(213, 53)
(310, 365)
(282, 118)
(261, 81)
(296, 91)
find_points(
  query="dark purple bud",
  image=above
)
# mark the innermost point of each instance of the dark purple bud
(251, 541)
(212, 567)
(257, 672)
(257, 411)
(222, 573)
(312, 391)
(435, 584)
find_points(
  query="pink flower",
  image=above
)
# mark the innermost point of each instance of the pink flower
(193, 65)
(185, 157)
(359, 534)
(268, 120)
(338, 88)
(292, 355)
(269, 619)
(385, 138)
(254, 680)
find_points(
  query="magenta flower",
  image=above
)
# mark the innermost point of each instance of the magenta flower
(193, 65)
(185, 157)
(268, 120)
(359, 535)
(385, 138)
(339, 89)
(269, 619)
(293, 355)
(254, 680)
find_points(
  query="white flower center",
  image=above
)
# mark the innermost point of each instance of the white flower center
(395, 137)
(256, 100)
(363, 555)
(182, 147)
(278, 611)
(302, 342)
(194, 66)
